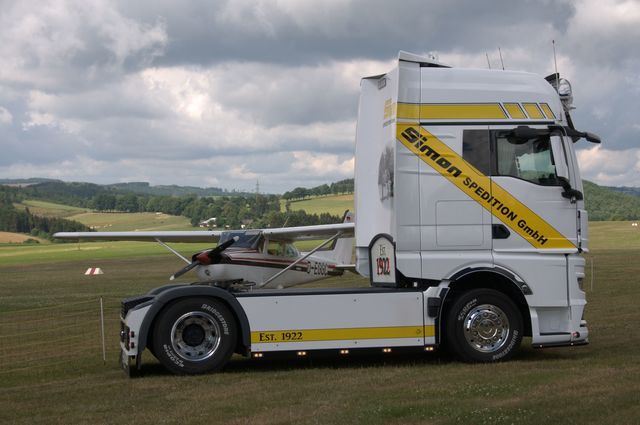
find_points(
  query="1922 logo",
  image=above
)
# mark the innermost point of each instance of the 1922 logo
(383, 264)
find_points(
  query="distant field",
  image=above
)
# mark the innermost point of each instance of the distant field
(89, 251)
(8, 237)
(50, 209)
(335, 205)
(115, 221)
(112, 222)
(51, 369)
(614, 235)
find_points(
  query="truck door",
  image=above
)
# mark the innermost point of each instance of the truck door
(531, 218)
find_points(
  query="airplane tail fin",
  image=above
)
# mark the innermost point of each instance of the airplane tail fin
(342, 252)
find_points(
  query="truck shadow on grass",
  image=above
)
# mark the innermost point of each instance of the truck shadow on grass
(279, 362)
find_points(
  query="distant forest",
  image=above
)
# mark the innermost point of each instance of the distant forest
(22, 221)
(240, 209)
(234, 209)
(337, 188)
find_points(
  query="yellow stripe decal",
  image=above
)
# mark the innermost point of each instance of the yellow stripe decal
(533, 111)
(492, 197)
(410, 111)
(515, 111)
(341, 334)
(547, 111)
(451, 111)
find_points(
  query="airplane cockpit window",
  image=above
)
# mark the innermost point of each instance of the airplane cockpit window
(281, 249)
(274, 248)
(247, 240)
(291, 251)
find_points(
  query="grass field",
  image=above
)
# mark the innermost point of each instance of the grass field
(51, 368)
(50, 209)
(112, 222)
(335, 205)
(12, 238)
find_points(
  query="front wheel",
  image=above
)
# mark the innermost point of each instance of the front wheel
(483, 325)
(194, 335)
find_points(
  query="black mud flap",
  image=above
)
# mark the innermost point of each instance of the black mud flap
(130, 364)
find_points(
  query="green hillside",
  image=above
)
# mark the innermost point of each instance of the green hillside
(113, 222)
(50, 209)
(335, 205)
(605, 204)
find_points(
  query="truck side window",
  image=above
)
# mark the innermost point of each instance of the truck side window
(476, 150)
(529, 159)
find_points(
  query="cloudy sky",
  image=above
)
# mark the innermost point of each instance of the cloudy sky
(227, 93)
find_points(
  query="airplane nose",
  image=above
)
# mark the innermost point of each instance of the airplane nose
(203, 258)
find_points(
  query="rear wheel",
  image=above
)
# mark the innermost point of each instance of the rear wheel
(483, 325)
(194, 335)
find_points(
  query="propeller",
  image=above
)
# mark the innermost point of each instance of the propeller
(204, 258)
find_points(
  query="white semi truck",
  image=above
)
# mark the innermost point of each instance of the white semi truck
(470, 225)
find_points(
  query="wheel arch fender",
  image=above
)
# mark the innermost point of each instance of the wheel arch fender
(173, 293)
(498, 278)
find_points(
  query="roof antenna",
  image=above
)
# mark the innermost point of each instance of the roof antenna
(488, 63)
(501, 61)
(555, 62)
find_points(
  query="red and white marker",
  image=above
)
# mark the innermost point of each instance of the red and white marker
(93, 271)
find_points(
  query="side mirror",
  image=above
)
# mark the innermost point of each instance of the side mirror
(559, 157)
(593, 138)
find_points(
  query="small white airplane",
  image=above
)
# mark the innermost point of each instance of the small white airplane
(260, 258)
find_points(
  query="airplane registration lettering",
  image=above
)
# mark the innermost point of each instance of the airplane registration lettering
(317, 268)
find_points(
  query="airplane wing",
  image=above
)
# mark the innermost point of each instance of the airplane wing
(301, 233)
(168, 236)
(321, 231)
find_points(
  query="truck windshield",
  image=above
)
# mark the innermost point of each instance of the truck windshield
(529, 159)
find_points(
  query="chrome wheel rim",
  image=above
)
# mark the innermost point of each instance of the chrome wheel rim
(195, 336)
(486, 328)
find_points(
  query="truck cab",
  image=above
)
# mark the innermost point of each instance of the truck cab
(472, 177)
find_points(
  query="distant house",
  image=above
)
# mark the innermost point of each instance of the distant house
(210, 222)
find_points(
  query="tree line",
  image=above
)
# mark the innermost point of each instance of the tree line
(225, 211)
(256, 210)
(23, 221)
(337, 188)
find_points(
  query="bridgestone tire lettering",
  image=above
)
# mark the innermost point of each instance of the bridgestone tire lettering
(220, 318)
(466, 316)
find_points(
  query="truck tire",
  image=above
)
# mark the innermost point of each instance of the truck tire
(483, 325)
(194, 335)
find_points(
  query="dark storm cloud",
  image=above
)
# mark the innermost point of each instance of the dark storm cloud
(294, 33)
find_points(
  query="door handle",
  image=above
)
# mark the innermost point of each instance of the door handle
(499, 231)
